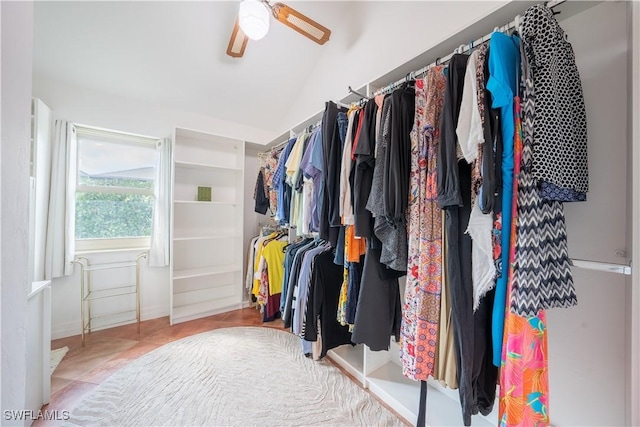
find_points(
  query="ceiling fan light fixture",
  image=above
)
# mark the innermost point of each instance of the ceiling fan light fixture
(254, 19)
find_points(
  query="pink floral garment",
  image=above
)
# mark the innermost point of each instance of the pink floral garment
(421, 311)
(524, 384)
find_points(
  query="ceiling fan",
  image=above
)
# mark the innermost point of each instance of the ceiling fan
(253, 23)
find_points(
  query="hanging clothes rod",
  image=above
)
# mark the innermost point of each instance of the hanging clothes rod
(602, 266)
(351, 90)
(461, 49)
(292, 134)
(275, 147)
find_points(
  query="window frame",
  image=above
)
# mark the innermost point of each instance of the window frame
(126, 139)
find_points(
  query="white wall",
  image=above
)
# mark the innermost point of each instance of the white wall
(94, 108)
(16, 60)
(587, 343)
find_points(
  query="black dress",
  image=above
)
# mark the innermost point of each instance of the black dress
(322, 304)
(472, 331)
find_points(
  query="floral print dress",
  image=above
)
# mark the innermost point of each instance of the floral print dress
(421, 311)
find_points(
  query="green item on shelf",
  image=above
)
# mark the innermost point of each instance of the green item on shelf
(204, 194)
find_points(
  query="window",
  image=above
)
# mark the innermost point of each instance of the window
(114, 193)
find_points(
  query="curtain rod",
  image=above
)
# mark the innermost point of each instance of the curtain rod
(460, 49)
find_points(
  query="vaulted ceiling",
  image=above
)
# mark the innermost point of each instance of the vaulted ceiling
(173, 53)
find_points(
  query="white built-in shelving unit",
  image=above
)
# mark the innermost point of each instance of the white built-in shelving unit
(206, 236)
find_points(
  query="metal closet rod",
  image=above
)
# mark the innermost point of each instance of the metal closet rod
(308, 128)
(461, 49)
(601, 266)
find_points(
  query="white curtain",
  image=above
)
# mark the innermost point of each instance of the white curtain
(61, 218)
(160, 239)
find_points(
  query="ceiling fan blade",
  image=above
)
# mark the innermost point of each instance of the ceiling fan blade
(238, 42)
(301, 23)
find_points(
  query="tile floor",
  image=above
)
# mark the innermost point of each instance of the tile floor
(106, 351)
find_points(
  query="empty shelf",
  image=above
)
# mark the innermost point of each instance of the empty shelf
(192, 165)
(196, 202)
(210, 237)
(206, 308)
(198, 272)
(349, 358)
(403, 395)
(398, 391)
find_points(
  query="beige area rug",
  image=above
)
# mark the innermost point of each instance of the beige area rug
(245, 376)
(56, 356)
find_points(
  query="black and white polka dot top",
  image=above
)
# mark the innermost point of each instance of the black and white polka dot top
(560, 121)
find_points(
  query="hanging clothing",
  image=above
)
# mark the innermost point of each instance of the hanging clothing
(295, 175)
(378, 311)
(308, 173)
(331, 150)
(315, 171)
(334, 169)
(559, 121)
(256, 265)
(445, 368)
(470, 134)
(353, 290)
(474, 81)
(283, 191)
(274, 256)
(393, 237)
(290, 252)
(365, 162)
(354, 247)
(469, 130)
(346, 166)
(341, 315)
(375, 203)
(270, 268)
(490, 186)
(524, 383)
(543, 270)
(260, 195)
(270, 165)
(397, 161)
(326, 279)
(421, 310)
(294, 273)
(470, 330)
(301, 291)
(504, 70)
(251, 254)
(354, 250)
(339, 249)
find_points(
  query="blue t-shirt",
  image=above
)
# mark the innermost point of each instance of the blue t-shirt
(504, 76)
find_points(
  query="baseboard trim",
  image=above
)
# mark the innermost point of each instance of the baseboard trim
(69, 329)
